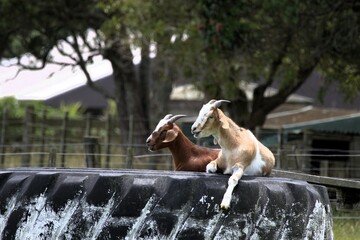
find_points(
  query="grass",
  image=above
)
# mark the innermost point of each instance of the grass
(346, 225)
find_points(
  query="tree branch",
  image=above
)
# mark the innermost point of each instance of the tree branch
(258, 114)
(64, 53)
(281, 96)
(87, 44)
(82, 64)
(259, 91)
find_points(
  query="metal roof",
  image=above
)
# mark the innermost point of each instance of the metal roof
(49, 82)
(342, 124)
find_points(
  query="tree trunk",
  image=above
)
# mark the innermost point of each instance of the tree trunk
(262, 105)
(239, 109)
(161, 76)
(128, 94)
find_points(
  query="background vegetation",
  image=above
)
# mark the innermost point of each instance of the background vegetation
(215, 44)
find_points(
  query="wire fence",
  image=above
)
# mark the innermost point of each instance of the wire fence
(76, 153)
(37, 141)
(346, 224)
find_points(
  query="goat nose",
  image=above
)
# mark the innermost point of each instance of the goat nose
(148, 140)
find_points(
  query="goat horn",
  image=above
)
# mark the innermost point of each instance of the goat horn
(174, 118)
(218, 103)
(168, 116)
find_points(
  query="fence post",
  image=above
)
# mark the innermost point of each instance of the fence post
(88, 125)
(130, 150)
(25, 162)
(63, 138)
(278, 161)
(107, 140)
(2, 138)
(257, 132)
(91, 147)
(52, 157)
(305, 143)
(42, 143)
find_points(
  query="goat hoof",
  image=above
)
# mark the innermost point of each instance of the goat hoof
(224, 206)
(210, 169)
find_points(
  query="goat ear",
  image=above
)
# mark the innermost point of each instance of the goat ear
(224, 123)
(215, 113)
(170, 136)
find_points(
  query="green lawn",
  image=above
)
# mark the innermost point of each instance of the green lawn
(346, 225)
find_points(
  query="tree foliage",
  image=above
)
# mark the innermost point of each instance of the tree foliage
(36, 27)
(284, 41)
(218, 44)
(17, 109)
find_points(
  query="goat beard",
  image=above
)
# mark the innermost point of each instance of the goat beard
(196, 135)
(151, 148)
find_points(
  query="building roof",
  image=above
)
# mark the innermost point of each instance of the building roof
(49, 82)
(342, 124)
(189, 92)
(315, 118)
(186, 92)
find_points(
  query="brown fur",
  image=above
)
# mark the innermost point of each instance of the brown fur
(186, 155)
(234, 137)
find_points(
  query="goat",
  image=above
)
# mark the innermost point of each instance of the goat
(186, 155)
(241, 153)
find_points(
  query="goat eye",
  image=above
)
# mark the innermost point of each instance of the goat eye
(163, 132)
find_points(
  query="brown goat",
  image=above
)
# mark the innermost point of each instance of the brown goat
(187, 156)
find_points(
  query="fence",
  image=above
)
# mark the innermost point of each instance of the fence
(40, 141)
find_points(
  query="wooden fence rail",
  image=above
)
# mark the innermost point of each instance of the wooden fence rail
(347, 191)
(2, 136)
(37, 129)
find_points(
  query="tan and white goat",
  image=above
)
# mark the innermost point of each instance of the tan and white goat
(186, 155)
(241, 153)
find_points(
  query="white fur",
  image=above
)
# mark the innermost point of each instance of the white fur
(257, 164)
(232, 150)
(211, 168)
(233, 181)
(202, 117)
(162, 122)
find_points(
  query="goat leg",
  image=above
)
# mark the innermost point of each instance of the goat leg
(211, 167)
(233, 181)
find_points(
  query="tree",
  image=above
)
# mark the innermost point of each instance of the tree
(246, 41)
(219, 45)
(36, 28)
(39, 27)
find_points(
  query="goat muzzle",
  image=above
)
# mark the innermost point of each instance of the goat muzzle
(195, 132)
(151, 147)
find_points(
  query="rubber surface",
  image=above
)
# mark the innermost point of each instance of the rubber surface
(131, 204)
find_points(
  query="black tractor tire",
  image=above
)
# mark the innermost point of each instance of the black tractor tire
(141, 204)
